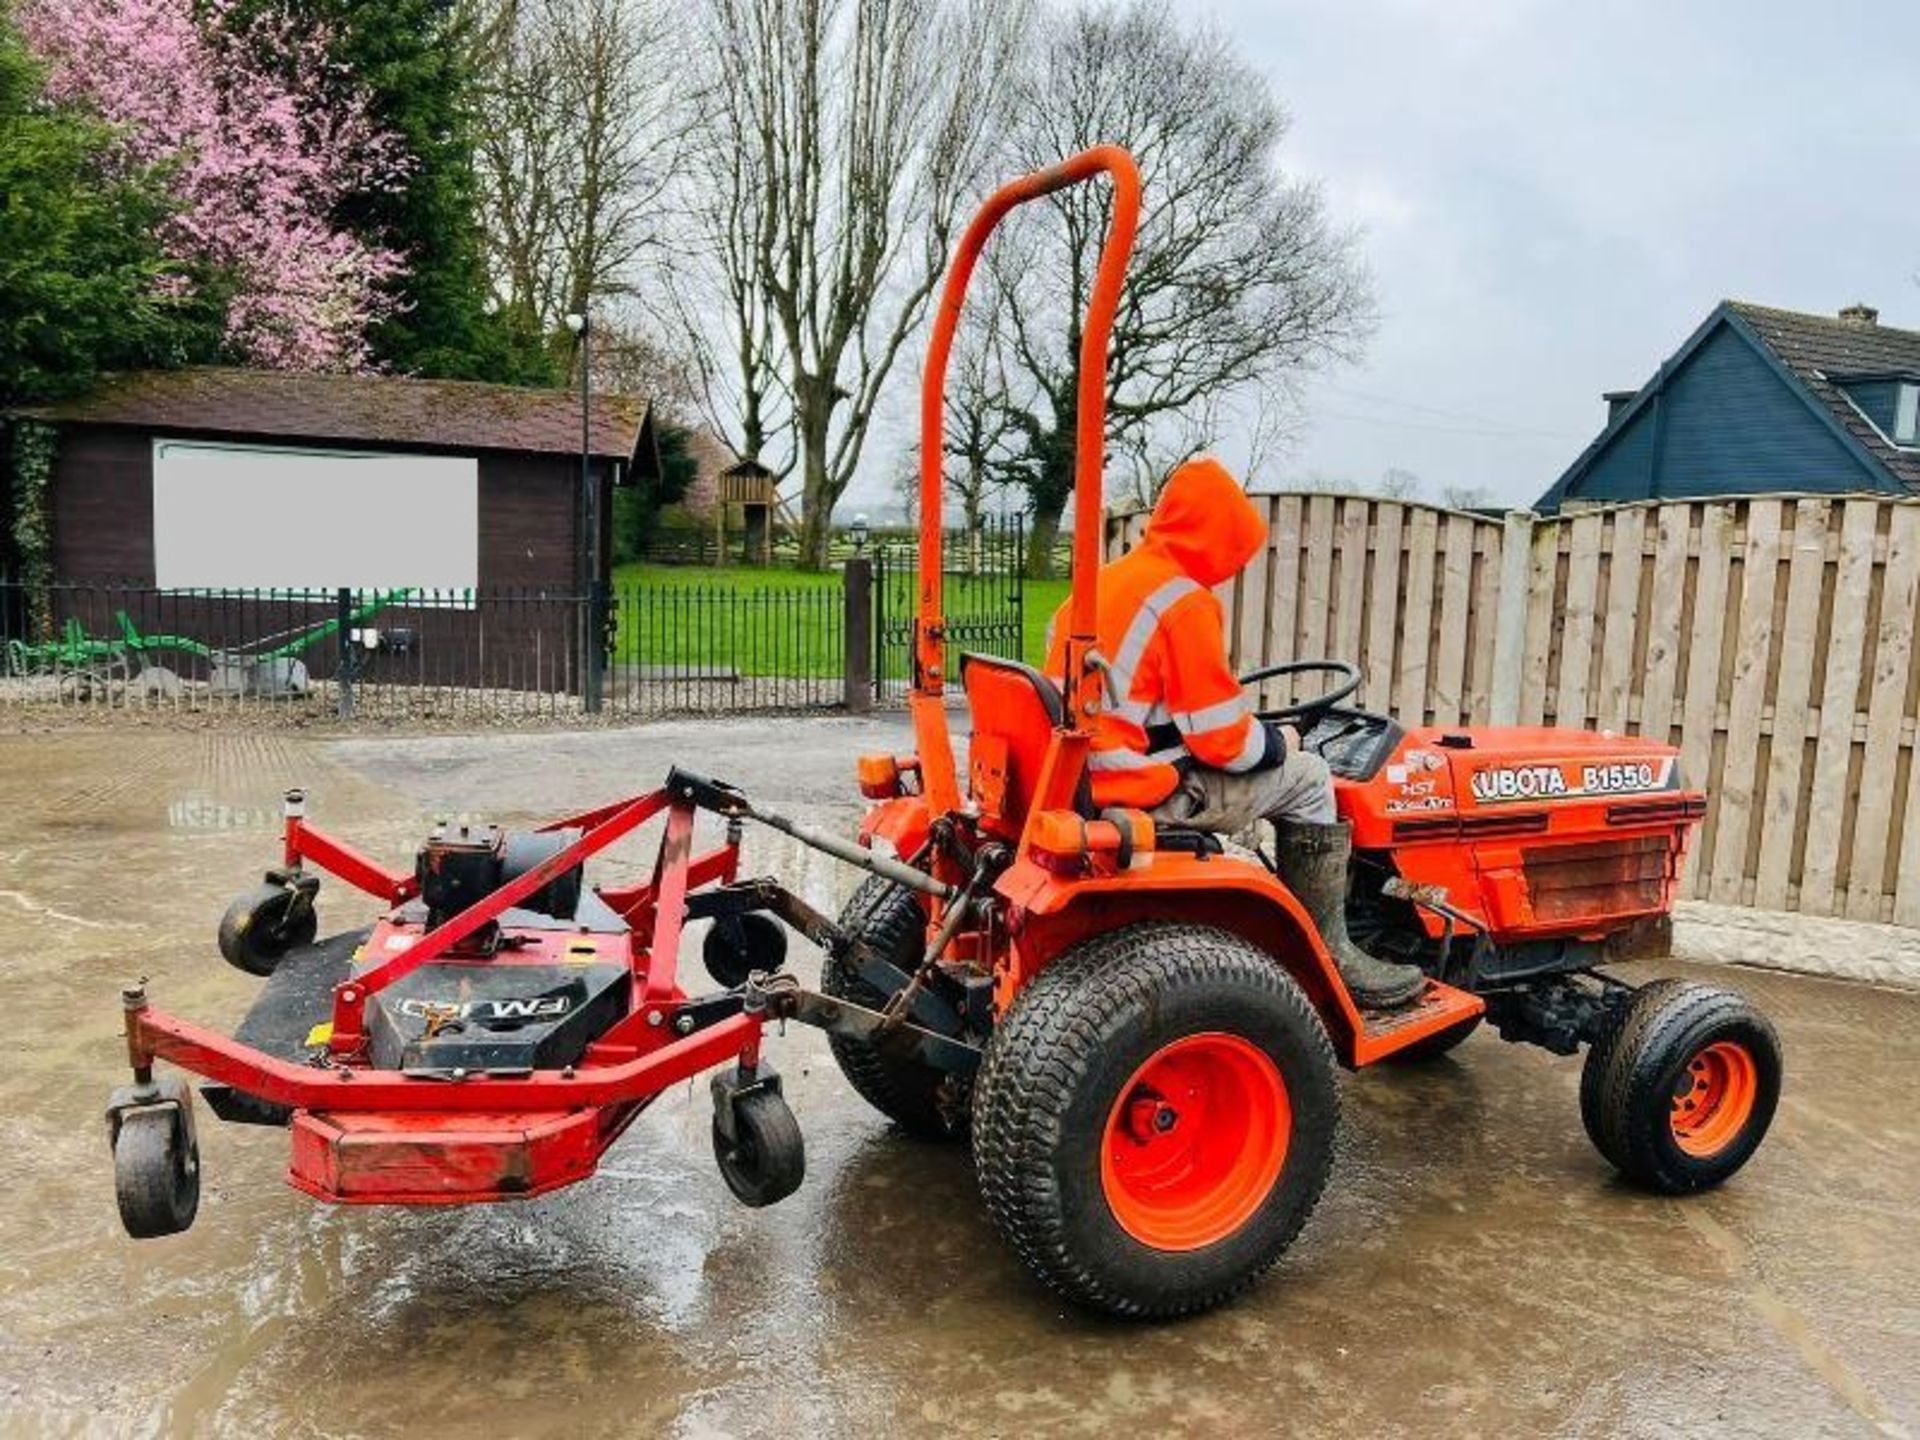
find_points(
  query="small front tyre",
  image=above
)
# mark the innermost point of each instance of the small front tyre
(1155, 1119)
(261, 926)
(156, 1172)
(1679, 1091)
(762, 1156)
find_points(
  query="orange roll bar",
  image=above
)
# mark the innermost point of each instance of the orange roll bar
(1090, 424)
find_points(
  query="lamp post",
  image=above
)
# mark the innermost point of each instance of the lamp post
(858, 532)
(591, 655)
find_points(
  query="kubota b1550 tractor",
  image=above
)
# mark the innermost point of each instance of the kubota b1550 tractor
(1137, 1025)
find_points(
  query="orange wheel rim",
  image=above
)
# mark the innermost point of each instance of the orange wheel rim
(1195, 1141)
(1713, 1097)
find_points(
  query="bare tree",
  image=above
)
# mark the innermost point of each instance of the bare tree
(1467, 497)
(980, 433)
(1398, 484)
(861, 126)
(714, 288)
(580, 143)
(1238, 275)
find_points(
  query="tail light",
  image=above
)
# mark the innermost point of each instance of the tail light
(882, 777)
(1071, 844)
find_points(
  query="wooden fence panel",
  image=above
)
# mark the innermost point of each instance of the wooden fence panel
(1828, 802)
(1770, 639)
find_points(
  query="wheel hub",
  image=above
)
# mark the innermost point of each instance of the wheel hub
(1195, 1141)
(1713, 1097)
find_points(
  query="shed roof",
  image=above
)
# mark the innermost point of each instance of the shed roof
(364, 410)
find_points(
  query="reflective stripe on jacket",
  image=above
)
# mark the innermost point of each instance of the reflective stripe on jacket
(1163, 634)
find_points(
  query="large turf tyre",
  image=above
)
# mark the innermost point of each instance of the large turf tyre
(1431, 1047)
(765, 1158)
(888, 916)
(1678, 1091)
(1111, 1201)
(156, 1172)
(261, 926)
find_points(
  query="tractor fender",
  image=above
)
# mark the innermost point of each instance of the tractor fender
(1049, 913)
(902, 822)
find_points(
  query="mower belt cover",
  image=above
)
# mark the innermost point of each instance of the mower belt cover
(498, 1015)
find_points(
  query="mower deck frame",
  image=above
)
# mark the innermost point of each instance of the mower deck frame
(363, 1134)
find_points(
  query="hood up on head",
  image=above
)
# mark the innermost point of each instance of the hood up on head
(1204, 522)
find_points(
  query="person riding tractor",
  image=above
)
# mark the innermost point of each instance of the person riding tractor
(1179, 739)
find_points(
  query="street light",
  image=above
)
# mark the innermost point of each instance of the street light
(858, 530)
(581, 329)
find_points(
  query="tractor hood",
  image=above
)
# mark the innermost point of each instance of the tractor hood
(1204, 522)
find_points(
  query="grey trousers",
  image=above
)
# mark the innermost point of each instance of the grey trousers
(1298, 788)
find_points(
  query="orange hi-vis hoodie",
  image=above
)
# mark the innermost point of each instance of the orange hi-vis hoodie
(1163, 634)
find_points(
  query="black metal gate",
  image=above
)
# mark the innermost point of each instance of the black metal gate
(983, 597)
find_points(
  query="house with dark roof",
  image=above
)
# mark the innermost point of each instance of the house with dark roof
(1760, 400)
(216, 478)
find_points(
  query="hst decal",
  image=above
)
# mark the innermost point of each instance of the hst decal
(1501, 785)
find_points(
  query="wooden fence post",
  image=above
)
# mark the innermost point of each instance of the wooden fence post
(1510, 619)
(857, 582)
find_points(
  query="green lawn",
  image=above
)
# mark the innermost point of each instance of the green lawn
(765, 621)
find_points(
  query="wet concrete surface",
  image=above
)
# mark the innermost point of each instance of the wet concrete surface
(1473, 1269)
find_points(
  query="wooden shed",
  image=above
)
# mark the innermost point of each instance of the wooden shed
(172, 491)
(141, 456)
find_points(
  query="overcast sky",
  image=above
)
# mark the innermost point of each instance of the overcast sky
(1554, 194)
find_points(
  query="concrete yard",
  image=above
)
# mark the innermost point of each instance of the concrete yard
(1474, 1268)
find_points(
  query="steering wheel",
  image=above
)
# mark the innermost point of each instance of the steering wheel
(1303, 713)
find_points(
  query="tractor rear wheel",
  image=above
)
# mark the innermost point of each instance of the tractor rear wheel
(1680, 1089)
(1155, 1119)
(888, 917)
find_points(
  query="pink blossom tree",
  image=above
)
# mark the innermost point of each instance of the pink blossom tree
(263, 137)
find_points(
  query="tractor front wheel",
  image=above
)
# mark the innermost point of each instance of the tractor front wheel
(1680, 1089)
(1155, 1119)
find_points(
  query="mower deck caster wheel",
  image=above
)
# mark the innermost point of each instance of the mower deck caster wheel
(757, 1143)
(261, 926)
(1679, 1090)
(156, 1171)
(738, 945)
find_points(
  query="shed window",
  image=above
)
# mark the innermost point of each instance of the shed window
(1906, 416)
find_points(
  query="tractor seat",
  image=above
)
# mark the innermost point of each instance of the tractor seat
(1015, 711)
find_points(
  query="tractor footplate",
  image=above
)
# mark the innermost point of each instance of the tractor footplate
(1440, 1007)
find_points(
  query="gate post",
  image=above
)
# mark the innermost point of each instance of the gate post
(343, 677)
(857, 634)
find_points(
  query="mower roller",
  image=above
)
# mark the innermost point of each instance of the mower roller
(1136, 1025)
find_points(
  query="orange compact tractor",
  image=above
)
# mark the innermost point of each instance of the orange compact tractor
(1136, 1024)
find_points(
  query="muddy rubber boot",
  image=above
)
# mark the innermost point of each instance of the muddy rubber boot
(1313, 863)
